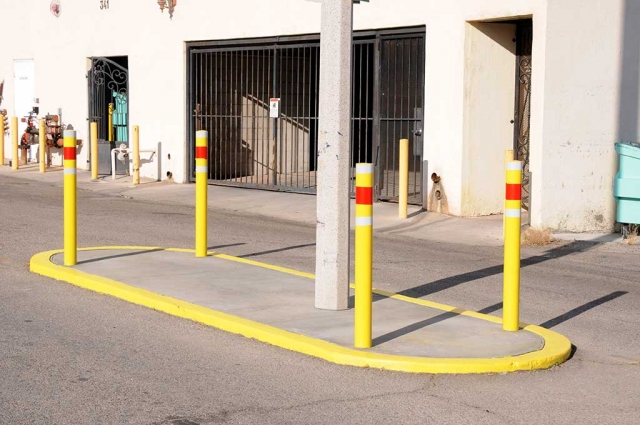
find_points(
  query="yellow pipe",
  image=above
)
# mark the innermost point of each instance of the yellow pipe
(404, 178)
(1, 139)
(42, 147)
(363, 256)
(110, 124)
(136, 155)
(94, 151)
(508, 157)
(14, 138)
(512, 212)
(70, 202)
(202, 151)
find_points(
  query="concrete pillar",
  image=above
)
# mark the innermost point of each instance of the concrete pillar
(334, 140)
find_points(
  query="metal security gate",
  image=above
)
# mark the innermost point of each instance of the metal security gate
(524, 40)
(230, 86)
(108, 81)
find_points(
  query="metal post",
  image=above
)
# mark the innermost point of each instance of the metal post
(512, 213)
(364, 255)
(42, 148)
(94, 151)
(110, 124)
(334, 142)
(14, 139)
(508, 157)
(70, 192)
(202, 151)
(136, 155)
(404, 178)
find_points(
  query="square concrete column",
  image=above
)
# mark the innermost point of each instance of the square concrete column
(334, 146)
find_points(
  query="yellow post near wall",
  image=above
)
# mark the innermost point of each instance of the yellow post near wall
(14, 138)
(136, 155)
(508, 157)
(202, 153)
(364, 256)
(404, 178)
(1, 139)
(70, 192)
(42, 148)
(512, 218)
(110, 123)
(94, 151)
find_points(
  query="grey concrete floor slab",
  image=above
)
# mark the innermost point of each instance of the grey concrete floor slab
(286, 301)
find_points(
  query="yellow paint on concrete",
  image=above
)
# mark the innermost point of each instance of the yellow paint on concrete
(557, 348)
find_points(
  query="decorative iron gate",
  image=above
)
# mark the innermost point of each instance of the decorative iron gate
(524, 40)
(108, 81)
(229, 91)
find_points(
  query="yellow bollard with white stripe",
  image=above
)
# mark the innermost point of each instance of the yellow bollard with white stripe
(512, 223)
(403, 189)
(364, 256)
(42, 141)
(94, 151)
(70, 202)
(14, 139)
(202, 153)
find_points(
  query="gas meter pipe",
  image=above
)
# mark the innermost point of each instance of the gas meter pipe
(70, 193)
(512, 222)
(202, 151)
(42, 147)
(14, 138)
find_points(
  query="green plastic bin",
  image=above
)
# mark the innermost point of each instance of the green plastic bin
(626, 188)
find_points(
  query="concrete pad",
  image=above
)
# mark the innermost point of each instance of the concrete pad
(286, 301)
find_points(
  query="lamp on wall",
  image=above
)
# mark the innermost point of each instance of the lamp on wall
(167, 4)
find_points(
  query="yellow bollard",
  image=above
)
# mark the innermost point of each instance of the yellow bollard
(1, 139)
(94, 151)
(508, 157)
(364, 255)
(70, 192)
(110, 123)
(136, 155)
(404, 178)
(512, 213)
(42, 141)
(14, 138)
(202, 153)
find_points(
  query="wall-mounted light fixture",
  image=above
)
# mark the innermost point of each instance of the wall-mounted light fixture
(167, 4)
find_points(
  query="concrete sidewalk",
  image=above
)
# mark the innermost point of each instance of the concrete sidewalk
(480, 231)
(275, 305)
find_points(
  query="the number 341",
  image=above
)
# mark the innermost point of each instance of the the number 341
(104, 4)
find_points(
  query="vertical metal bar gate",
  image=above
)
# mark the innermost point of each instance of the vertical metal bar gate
(524, 40)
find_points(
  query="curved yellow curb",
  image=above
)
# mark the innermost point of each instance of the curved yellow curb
(556, 349)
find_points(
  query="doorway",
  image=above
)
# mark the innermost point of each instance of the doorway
(522, 120)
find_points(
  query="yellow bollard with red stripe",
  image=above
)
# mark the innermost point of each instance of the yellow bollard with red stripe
(14, 143)
(202, 151)
(70, 203)
(364, 256)
(512, 223)
(42, 149)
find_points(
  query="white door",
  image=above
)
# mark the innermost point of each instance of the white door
(24, 85)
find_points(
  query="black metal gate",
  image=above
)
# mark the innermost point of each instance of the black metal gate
(108, 81)
(230, 86)
(524, 40)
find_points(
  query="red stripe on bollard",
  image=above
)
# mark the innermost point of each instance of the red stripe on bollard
(364, 195)
(514, 192)
(70, 153)
(201, 152)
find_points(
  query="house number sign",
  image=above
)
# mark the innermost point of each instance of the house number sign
(104, 4)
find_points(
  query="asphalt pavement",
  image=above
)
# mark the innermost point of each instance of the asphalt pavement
(70, 356)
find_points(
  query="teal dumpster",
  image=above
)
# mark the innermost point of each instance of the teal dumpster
(626, 188)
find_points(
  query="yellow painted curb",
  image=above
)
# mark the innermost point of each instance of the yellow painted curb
(557, 348)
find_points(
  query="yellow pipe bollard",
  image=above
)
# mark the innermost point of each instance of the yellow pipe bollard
(202, 153)
(508, 157)
(70, 205)
(14, 138)
(94, 151)
(136, 155)
(364, 256)
(1, 139)
(110, 123)
(512, 218)
(42, 142)
(404, 178)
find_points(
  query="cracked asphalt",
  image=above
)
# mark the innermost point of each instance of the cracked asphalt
(71, 356)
